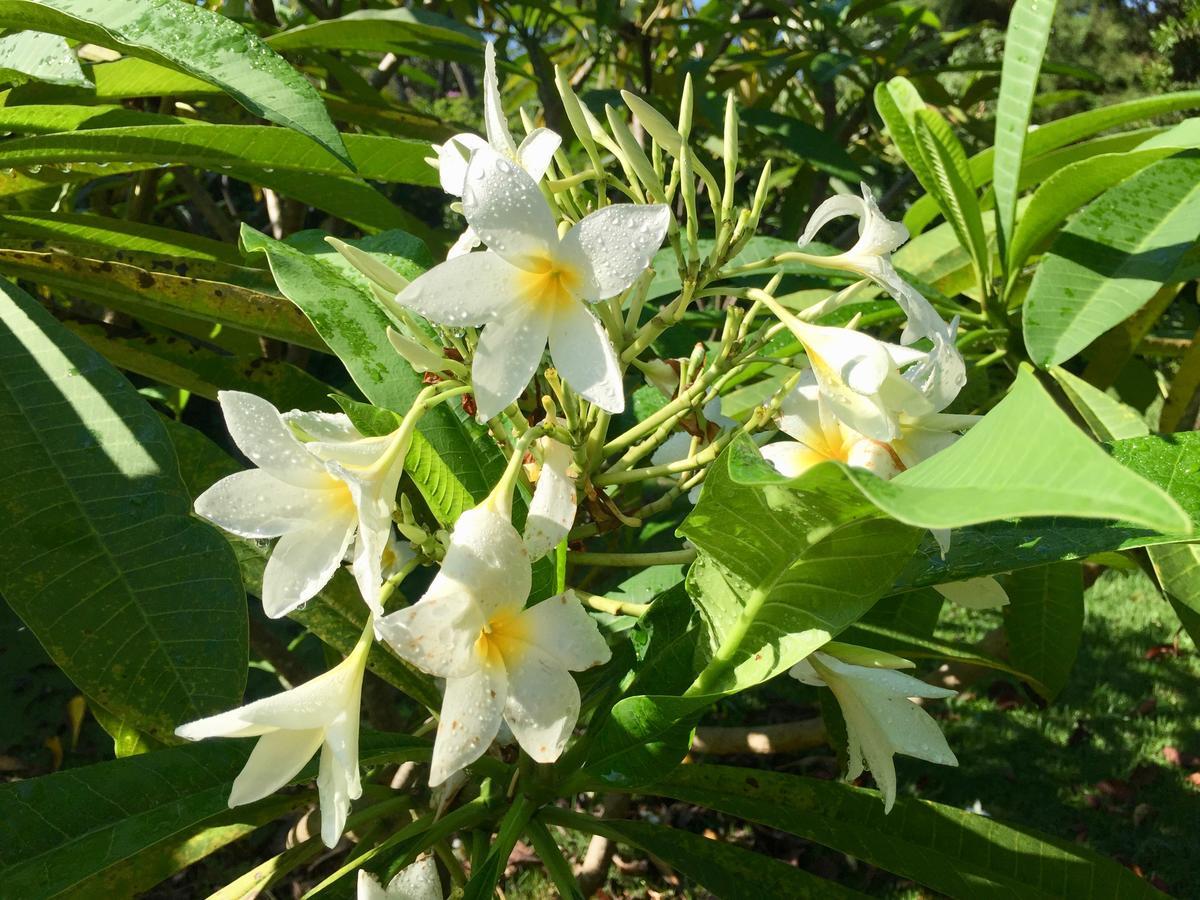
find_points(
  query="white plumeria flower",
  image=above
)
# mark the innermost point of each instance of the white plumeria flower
(531, 286)
(321, 714)
(818, 435)
(533, 155)
(501, 661)
(881, 720)
(419, 881)
(314, 497)
(942, 375)
(552, 509)
(974, 593)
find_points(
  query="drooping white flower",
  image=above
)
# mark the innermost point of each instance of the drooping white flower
(942, 374)
(974, 593)
(818, 436)
(321, 714)
(552, 509)
(531, 286)
(533, 155)
(315, 497)
(881, 720)
(500, 660)
(416, 882)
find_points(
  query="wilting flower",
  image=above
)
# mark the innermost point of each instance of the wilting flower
(416, 882)
(974, 593)
(321, 714)
(942, 374)
(881, 720)
(500, 660)
(315, 497)
(552, 509)
(533, 155)
(531, 286)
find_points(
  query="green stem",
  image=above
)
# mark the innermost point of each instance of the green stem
(553, 859)
(633, 560)
(611, 606)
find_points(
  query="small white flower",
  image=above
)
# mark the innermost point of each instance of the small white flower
(942, 375)
(881, 720)
(500, 660)
(533, 155)
(416, 882)
(974, 593)
(552, 509)
(531, 286)
(314, 497)
(321, 714)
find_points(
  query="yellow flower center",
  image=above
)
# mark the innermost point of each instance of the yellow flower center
(550, 283)
(503, 637)
(340, 497)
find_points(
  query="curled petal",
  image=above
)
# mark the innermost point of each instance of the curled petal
(323, 426)
(467, 290)
(537, 150)
(833, 208)
(337, 784)
(467, 241)
(303, 561)
(277, 758)
(561, 627)
(256, 504)
(506, 357)
(470, 717)
(614, 245)
(260, 432)
(584, 357)
(506, 209)
(452, 159)
(552, 509)
(543, 703)
(493, 111)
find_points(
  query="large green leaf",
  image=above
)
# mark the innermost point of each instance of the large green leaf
(1024, 47)
(451, 463)
(1053, 135)
(402, 31)
(1044, 622)
(730, 872)
(897, 103)
(1112, 258)
(956, 853)
(34, 55)
(78, 833)
(140, 604)
(193, 40)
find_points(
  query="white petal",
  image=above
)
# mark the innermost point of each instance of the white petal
(416, 355)
(917, 444)
(493, 110)
(470, 717)
(418, 881)
(615, 245)
(452, 159)
(506, 209)
(487, 560)
(974, 593)
(467, 241)
(256, 504)
(674, 449)
(584, 357)
(713, 415)
(792, 459)
(338, 781)
(543, 703)
(537, 150)
(800, 414)
(437, 634)
(942, 536)
(303, 561)
(368, 888)
(323, 426)
(467, 290)
(833, 208)
(804, 672)
(506, 357)
(276, 759)
(552, 509)
(874, 456)
(561, 627)
(260, 432)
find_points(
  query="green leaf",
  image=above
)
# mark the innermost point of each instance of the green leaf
(1052, 135)
(140, 604)
(1108, 418)
(1044, 622)
(725, 869)
(952, 851)
(79, 833)
(1024, 47)
(190, 39)
(802, 141)
(452, 464)
(1112, 258)
(1024, 458)
(1178, 570)
(35, 56)
(402, 31)
(784, 565)
(897, 103)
